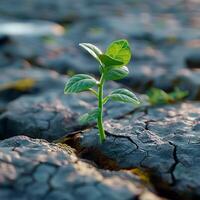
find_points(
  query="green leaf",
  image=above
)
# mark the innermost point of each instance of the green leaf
(116, 73)
(107, 61)
(120, 50)
(89, 117)
(92, 49)
(178, 94)
(122, 95)
(158, 96)
(79, 83)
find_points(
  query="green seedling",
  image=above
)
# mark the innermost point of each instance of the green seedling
(158, 96)
(112, 66)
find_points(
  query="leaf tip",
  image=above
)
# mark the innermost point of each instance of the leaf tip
(81, 44)
(65, 91)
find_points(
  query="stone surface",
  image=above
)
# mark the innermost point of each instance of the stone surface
(17, 36)
(193, 59)
(69, 57)
(36, 169)
(40, 9)
(189, 80)
(52, 114)
(18, 47)
(31, 28)
(68, 10)
(163, 141)
(17, 82)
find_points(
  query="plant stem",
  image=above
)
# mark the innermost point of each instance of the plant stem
(102, 135)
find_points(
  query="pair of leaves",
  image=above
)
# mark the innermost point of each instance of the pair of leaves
(122, 95)
(117, 55)
(79, 83)
(110, 57)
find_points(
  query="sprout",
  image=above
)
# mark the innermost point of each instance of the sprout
(112, 67)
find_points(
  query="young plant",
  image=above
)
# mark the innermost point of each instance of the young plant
(112, 64)
(157, 96)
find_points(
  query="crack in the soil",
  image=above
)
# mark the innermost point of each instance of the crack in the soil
(173, 167)
(161, 186)
(123, 136)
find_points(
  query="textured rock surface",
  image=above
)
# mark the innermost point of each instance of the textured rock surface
(36, 169)
(164, 141)
(69, 57)
(31, 28)
(17, 82)
(193, 60)
(189, 80)
(17, 47)
(68, 10)
(52, 114)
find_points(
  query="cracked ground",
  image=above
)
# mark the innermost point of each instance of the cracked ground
(152, 152)
(162, 141)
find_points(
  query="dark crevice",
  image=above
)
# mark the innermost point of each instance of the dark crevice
(3, 128)
(167, 189)
(147, 124)
(98, 159)
(91, 154)
(162, 188)
(173, 167)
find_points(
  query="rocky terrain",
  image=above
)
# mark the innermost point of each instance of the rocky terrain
(54, 172)
(151, 151)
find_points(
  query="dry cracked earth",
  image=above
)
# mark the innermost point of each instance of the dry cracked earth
(152, 152)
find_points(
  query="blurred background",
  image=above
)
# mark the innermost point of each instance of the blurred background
(40, 37)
